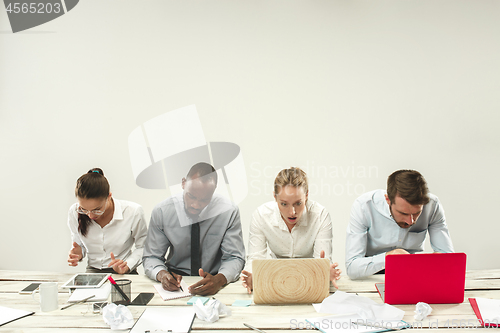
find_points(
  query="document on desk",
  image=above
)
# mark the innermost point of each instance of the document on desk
(168, 295)
(101, 294)
(175, 319)
(8, 314)
(487, 311)
(354, 324)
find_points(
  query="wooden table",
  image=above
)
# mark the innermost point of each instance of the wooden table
(79, 318)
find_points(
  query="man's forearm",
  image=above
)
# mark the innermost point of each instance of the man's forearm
(359, 268)
(232, 269)
(152, 266)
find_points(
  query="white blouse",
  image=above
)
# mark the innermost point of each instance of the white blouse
(311, 234)
(127, 227)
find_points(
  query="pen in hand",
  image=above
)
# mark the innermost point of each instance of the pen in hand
(172, 275)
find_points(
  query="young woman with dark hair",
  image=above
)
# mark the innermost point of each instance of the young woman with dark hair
(104, 229)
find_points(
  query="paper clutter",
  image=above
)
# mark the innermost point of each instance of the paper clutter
(365, 308)
(422, 310)
(211, 311)
(118, 317)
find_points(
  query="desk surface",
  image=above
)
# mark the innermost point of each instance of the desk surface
(78, 318)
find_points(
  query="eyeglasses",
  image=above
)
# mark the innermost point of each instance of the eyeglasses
(83, 211)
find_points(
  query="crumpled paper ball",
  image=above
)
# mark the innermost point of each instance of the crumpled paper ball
(211, 311)
(117, 316)
(422, 310)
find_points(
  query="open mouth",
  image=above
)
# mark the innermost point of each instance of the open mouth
(292, 219)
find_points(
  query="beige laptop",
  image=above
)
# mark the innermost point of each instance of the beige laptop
(290, 281)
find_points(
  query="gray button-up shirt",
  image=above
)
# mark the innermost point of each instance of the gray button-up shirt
(221, 239)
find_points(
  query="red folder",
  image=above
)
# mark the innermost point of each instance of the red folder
(473, 303)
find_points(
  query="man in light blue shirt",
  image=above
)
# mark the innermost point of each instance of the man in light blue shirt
(394, 222)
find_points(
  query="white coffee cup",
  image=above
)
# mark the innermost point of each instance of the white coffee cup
(48, 296)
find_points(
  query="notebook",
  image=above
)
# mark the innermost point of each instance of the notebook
(168, 295)
(434, 278)
(487, 311)
(290, 281)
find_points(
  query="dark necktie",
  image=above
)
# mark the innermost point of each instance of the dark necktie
(195, 249)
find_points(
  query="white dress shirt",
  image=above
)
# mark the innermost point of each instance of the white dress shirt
(372, 232)
(311, 234)
(127, 227)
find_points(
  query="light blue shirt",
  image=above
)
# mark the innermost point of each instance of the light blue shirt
(372, 232)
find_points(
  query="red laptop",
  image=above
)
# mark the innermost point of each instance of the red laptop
(434, 278)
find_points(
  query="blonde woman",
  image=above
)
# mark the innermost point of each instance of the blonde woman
(290, 226)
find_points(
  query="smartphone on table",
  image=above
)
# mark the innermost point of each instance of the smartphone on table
(30, 288)
(142, 299)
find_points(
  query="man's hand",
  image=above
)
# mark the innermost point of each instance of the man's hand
(334, 271)
(246, 277)
(208, 285)
(119, 265)
(169, 281)
(75, 255)
(397, 251)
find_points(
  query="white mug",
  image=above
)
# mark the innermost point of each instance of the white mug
(48, 296)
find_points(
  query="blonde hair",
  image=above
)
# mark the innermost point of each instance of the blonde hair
(295, 177)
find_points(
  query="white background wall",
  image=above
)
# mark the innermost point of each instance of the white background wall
(346, 86)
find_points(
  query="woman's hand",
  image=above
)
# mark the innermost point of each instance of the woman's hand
(75, 255)
(335, 274)
(334, 271)
(246, 277)
(119, 265)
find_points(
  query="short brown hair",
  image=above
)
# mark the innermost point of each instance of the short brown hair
(295, 177)
(409, 185)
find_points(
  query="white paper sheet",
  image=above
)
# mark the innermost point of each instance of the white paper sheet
(8, 314)
(489, 309)
(101, 294)
(178, 319)
(168, 295)
(353, 324)
(363, 307)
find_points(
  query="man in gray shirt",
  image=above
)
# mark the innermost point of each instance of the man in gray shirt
(202, 232)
